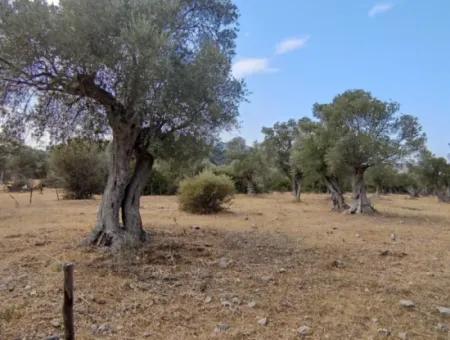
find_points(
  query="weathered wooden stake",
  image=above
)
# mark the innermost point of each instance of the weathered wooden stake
(69, 331)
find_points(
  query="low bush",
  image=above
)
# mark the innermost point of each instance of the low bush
(205, 193)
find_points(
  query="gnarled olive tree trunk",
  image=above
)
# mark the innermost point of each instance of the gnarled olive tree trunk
(108, 230)
(297, 186)
(337, 197)
(360, 203)
(131, 216)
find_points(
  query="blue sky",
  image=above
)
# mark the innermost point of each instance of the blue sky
(293, 53)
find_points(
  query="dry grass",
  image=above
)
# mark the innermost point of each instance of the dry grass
(303, 265)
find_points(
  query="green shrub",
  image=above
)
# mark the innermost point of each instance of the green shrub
(205, 193)
(80, 167)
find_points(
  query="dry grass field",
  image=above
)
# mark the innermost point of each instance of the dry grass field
(203, 277)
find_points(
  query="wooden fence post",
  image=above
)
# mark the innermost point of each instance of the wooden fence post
(69, 331)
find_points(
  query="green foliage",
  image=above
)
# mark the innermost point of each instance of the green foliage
(367, 131)
(80, 166)
(77, 68)
(278, 142)
(433, 173)
(19, 162)
(205, 193)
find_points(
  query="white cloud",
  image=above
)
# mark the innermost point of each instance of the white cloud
(380, 9)
(250, 66)
(291, 44)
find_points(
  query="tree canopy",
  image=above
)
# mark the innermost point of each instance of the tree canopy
(144, 71)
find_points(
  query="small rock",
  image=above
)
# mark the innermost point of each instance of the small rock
(94, 328)
(226, 303)
(393, 237)
(445, 311)
(55, 323)
(337, 264)
(27, 287)
(403, 335)
(384, 332)
(221, 327)
(251, 304)
(304, 331)
(196, 227)
(208, 299)
(267, 278)
(442, 328)
(263, 322)
(282, 270)
(104, 328)
(147, 334)
(407, 303)
(236, 300)
(224, 262)
(358, 235)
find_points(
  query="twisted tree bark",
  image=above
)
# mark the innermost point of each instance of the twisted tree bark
(131, 216)
(297, 186)
(360, 203)
(108, 230)
(337, 197)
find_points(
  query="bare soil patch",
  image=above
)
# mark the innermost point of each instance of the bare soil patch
(201, 277)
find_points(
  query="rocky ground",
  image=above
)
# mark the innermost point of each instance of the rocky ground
(268, 268)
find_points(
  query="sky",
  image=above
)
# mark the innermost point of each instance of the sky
(294, 53)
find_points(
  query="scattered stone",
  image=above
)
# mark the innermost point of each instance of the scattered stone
(407, 303)
(147, 334)
(236, 300)
(442, 328)
(384, 332)
(104, 328)
(282, 270)
(208, 299)
(263, 322)
(33, 292)
(393, 237)
(226, 303)
(196, 227)
(94, 328)
(55, 323)
(27, 287)
(445, 311)
(224, 262)
(403, 335)
(304, 331)
(267, 278)
(358, 235)
(251, 304)
(221, 327)
(337, 264)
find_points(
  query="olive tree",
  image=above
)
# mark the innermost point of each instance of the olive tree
(278, 142)
(309, 156)
(145, 72)
(366, 132)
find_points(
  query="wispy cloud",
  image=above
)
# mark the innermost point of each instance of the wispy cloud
(380, 9)
(250, 66)
(291, 44)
